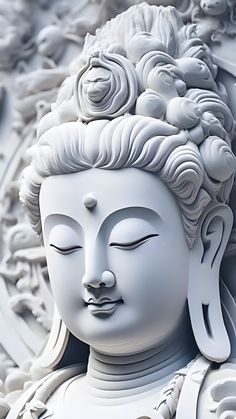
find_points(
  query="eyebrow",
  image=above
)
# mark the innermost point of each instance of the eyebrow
(62, 216)
(133, 211)
(51, 220)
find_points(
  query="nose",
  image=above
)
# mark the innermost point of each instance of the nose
(96, 275)
(106, 280)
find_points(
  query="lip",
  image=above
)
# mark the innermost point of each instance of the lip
(103, 306)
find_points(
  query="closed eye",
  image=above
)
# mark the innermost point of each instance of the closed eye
(133, 244)
(65, 250)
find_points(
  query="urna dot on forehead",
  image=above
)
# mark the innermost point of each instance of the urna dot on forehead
(90, 200)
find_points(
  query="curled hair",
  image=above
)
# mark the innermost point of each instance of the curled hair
(129, 141)
(171, 118)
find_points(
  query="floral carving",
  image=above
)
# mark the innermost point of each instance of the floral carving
(16, 32)
(106, 86)
(212, 19)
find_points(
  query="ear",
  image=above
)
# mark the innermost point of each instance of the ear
(203, 293)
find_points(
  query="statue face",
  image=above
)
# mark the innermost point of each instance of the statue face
(119, 269)
(213, 7)
(96, 84)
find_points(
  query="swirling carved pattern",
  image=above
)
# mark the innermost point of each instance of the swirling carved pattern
(106, 87)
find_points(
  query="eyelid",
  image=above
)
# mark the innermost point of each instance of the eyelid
(133, 244)
(65, 249)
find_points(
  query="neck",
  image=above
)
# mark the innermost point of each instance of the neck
(138, 372)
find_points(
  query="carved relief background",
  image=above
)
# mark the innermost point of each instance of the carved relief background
(38, 41)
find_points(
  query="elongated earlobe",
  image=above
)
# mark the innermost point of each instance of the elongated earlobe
(203, 294)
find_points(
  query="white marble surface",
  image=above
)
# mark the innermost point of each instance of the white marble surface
(42, 43)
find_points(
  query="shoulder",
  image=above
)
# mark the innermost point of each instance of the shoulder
(217, 398)
(36, 398)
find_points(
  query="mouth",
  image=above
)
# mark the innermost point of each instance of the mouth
(103, 306)
(210, 7)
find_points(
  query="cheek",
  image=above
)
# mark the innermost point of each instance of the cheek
(157, 262)
(131, 267)
(152, 273)
(65, 273)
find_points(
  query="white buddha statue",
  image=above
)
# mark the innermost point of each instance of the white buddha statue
(128, 188)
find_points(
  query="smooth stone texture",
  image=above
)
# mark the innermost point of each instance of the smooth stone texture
(136, 278)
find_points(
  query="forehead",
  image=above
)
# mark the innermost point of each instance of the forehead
(97, 72)
(114, 190)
